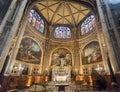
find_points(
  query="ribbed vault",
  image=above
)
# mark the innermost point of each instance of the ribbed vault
(62, 12)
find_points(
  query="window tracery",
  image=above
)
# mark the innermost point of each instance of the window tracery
(36, 21)
(88, 25)
(62, 32)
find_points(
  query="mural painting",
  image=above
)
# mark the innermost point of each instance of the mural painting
(91, 53)
(29, 51)
(61, 57)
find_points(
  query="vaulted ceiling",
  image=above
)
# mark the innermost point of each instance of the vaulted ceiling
(66, 12)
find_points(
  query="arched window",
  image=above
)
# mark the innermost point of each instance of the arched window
(36, 21)
(62, 32)
(88, 24)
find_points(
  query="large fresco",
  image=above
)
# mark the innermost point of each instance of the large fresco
(61, 57)
(29, 51)
(91, 53)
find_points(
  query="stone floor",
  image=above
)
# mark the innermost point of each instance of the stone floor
(52, 88)
(55, 89)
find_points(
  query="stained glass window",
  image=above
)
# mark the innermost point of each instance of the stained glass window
(88, 24)
(62, 32)
(36, 21)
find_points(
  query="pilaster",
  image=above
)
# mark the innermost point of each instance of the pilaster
(76, 53)
(17, 43)
(103, 46)
(12, 33)
(110, 49)
(6, 16)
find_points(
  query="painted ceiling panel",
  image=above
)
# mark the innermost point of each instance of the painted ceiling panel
(50, 15)
(62, 12)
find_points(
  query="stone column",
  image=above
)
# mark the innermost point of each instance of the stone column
(46, 62)
(81, 68)
(112, 23)
(6, 16)
(12, 33)
(76, 53)
(102, 46)
(107, 37)
(17, 44)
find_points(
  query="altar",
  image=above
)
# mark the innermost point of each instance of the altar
(61, 74)
(61, 66)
